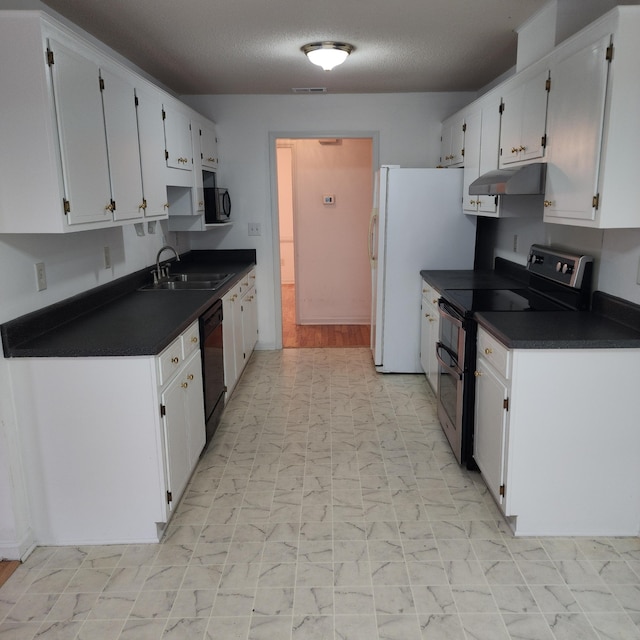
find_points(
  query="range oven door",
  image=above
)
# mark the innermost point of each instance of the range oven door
(450, 352)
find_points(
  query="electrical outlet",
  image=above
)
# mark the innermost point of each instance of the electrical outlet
(107, 258)
(41, 276)
(254, 229)
(515, 242)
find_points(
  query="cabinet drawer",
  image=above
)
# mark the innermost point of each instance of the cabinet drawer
(190, 340)
(494, 352)
(169, 361)
(430, 295)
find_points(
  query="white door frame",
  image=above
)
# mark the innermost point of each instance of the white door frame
(274, 136)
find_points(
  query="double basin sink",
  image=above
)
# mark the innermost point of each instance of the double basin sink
(186, 281)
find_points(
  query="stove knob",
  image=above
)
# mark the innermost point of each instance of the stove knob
(567, 268)
(559, 266)
(536, 259)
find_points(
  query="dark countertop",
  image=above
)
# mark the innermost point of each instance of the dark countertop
(467, 279)
(506, 275)
(613, 323)
(558, 330)
(118, 320)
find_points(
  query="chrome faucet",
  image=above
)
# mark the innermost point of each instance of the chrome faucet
(163, 272)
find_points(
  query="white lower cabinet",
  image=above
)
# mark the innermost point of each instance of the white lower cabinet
(556, 438)
(429, 334)
(183, 425)
(239, 328)
(110, 442)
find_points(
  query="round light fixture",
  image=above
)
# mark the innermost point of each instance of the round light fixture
(327, 54)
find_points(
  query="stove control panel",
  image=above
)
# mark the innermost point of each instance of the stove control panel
(557, 265)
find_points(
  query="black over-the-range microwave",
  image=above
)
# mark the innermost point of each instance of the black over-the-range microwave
(217, 203)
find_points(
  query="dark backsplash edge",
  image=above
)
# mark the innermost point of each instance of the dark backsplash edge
(616, 309)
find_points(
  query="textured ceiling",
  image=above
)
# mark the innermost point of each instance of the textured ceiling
(253, 46)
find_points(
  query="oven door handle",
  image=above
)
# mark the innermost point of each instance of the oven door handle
(447, 312)
(453, 371)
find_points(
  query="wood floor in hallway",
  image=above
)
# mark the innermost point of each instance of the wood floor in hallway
(325, 335)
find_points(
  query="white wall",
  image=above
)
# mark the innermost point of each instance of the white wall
(407, 125)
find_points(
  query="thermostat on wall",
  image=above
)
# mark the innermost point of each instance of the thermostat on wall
(328, 199)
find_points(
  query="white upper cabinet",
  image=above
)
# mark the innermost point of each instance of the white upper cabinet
(151, 138)
(481, 142)
(524, 118)
(78, 153)
(452, 147)
(177, 137)
(208, 147)
(121, 125)
(576, 115)
(472, 142)
(593, 167)
(77, 105)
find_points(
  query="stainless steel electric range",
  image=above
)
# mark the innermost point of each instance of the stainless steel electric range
(554, 281)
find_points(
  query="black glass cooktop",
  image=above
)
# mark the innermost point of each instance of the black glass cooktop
(470, 300)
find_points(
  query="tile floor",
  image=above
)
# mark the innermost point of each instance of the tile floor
(329, 507)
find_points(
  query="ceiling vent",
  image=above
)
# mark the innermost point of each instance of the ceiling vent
(309, 90)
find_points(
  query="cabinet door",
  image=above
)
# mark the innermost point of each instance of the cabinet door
(489, 448)
(119, 100)
(176, 438)
(151, 137)
(434, 336)
(83, 148)
(424, 336)
(534, 117)
(489, 152)
(249, 323)
(452, 152)
(177, 137)
(576, 117)
(230, 309)
(209, 147)
(194, 408)
(472, 142)
(198, 186)
(524, 119)
(511, 125)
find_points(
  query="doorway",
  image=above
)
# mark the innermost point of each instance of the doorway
(324, 188)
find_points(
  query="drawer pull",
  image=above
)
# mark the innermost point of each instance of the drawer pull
(190, 376)
(194, 339)
(477, 374)
(184, 385)
(175, 360)
(488, 351)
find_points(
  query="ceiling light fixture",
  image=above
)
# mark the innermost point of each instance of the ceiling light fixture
(327, 54)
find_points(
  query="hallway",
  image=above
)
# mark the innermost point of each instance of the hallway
(317, 336)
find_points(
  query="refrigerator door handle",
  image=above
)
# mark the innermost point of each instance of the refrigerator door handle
(373, 220)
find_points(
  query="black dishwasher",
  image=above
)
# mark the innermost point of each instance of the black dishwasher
(212, 366)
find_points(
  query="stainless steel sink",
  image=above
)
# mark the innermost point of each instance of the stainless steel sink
(186, 281)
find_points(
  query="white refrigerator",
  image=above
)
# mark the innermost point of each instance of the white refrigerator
(416, 223)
